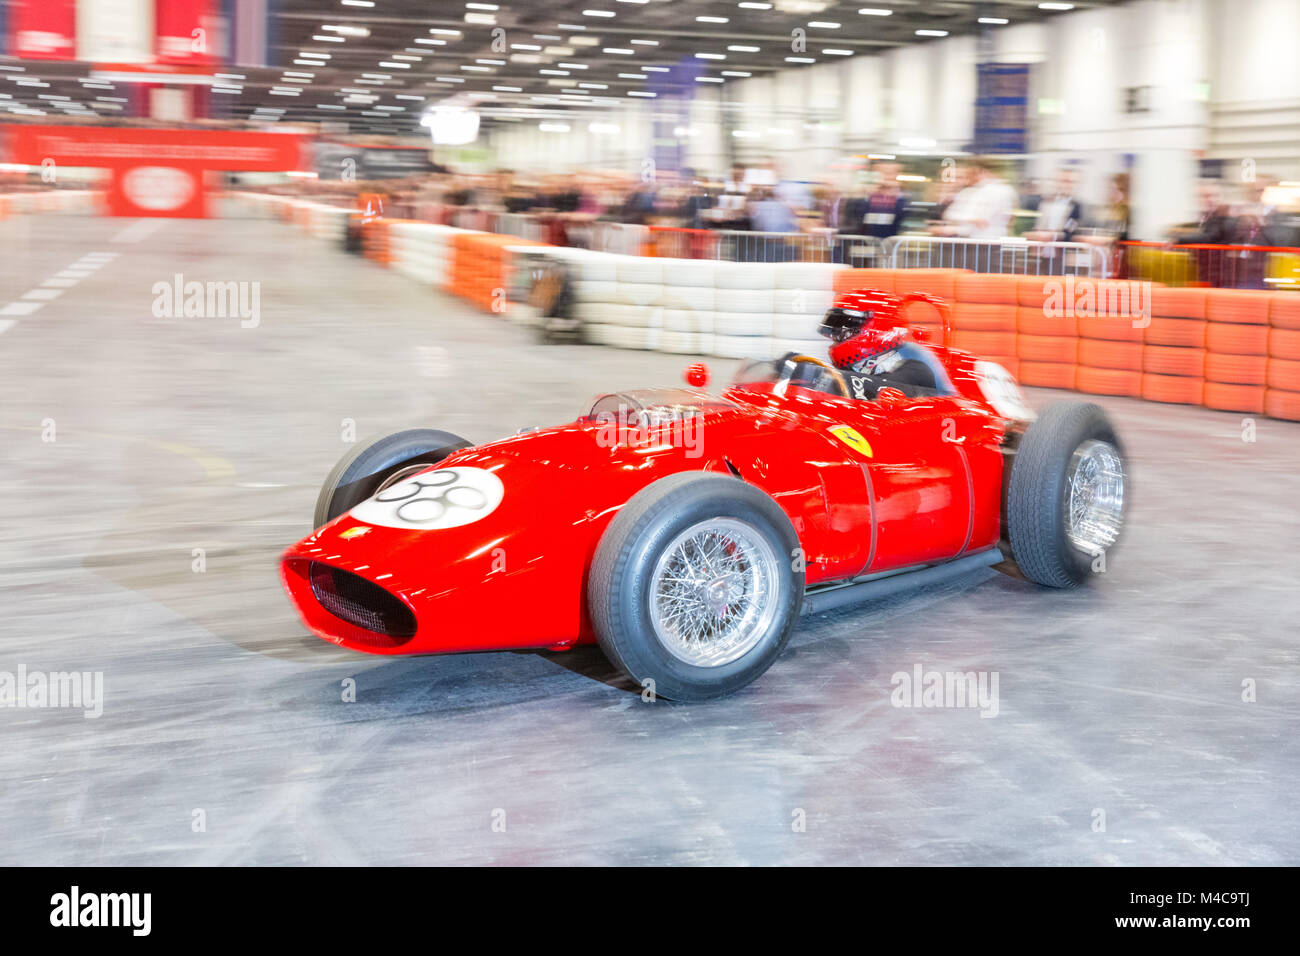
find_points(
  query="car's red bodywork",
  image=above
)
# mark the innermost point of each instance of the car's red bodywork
(912, 481)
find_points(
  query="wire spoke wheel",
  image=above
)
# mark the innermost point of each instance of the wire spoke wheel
(1095, 497)
(713, 592)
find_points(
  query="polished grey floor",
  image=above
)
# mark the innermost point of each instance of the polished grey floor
(1119, 705)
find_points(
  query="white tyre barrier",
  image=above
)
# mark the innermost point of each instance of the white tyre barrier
(742, 323)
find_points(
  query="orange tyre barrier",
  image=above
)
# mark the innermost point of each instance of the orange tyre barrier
(1284, 374)
(1175, 389)
(986, 288)
(1099, 353)
(1236, 369)
(1030, 320)
(1178, 303)
(1282, 404)
(1284, 311)
(984, 317)
(1108, 381)
(1284, 343)
(1234, 398)
(1054, 349)
(846, 280)
(1173, 360)
(1176, 331)
(1047, 374)
(940, 282)
(1115, 328)
(985, 344)
(1238, 306)
(1234, 339)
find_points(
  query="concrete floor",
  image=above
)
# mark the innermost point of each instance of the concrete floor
(177, 434)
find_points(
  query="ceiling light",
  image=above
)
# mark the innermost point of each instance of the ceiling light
(709, 79)
(450, 79)
(330, 106)
(875, 12)
(744, 49)
(641, 93)
(585, 41)
(593, 86)
(570, 26)
(477, 69)
(655, 69)
(357, 3)
(597, 13)
(324, 39)
(631, 76)
(490, 62)
(736, 73)
(377, 76)
(823, 25)
(800, 59)
(993, 21)
(307, 63)
(406, 96)
(323, 56)
(755, 6)
(291, 73)
(1056, 6)
(482, 19)
(932, 33)
(508, 89)
(620, 50)
(838, 52)
(439, 32)
(347, 31)
(481, 6)
(554, 72)
(403, 56)
(524, 46)
(574, 66)
(712, 19)
(710, 56)
(394, 65)
(645, 42)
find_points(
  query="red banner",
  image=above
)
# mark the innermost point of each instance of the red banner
(43, 29)
(187, 31)
(156, 172)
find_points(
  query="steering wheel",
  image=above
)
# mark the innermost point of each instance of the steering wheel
(836, 376)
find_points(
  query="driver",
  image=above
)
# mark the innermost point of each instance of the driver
(872, 339)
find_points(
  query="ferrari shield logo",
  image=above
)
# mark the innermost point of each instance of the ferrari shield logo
(853, 438)
(355, 531)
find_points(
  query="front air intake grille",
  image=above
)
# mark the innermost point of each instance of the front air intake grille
(363, 604)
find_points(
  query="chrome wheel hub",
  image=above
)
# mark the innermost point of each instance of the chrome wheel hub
(1094, 497)
(714, 592)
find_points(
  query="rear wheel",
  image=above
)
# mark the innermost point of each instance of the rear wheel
(693, 590)
(378, 463)
(1067, 497)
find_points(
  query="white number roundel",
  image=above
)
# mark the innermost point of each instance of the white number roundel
(434, 500)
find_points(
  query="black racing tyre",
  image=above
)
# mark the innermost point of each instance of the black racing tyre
(366, 467)
(696, 585)
(1067, 496)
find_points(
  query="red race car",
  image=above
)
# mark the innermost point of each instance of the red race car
(684, 532)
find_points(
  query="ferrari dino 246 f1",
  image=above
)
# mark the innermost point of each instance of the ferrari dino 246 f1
(685, 531)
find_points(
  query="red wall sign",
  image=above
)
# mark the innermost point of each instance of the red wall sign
(187, 31)
(156, 172)
(43, 29)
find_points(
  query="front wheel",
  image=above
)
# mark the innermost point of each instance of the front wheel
(375, 464)
(694, 589)
(1068, 495)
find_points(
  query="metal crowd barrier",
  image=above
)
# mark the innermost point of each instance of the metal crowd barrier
(1212, 266)
(1010, 256)
(730, 245)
